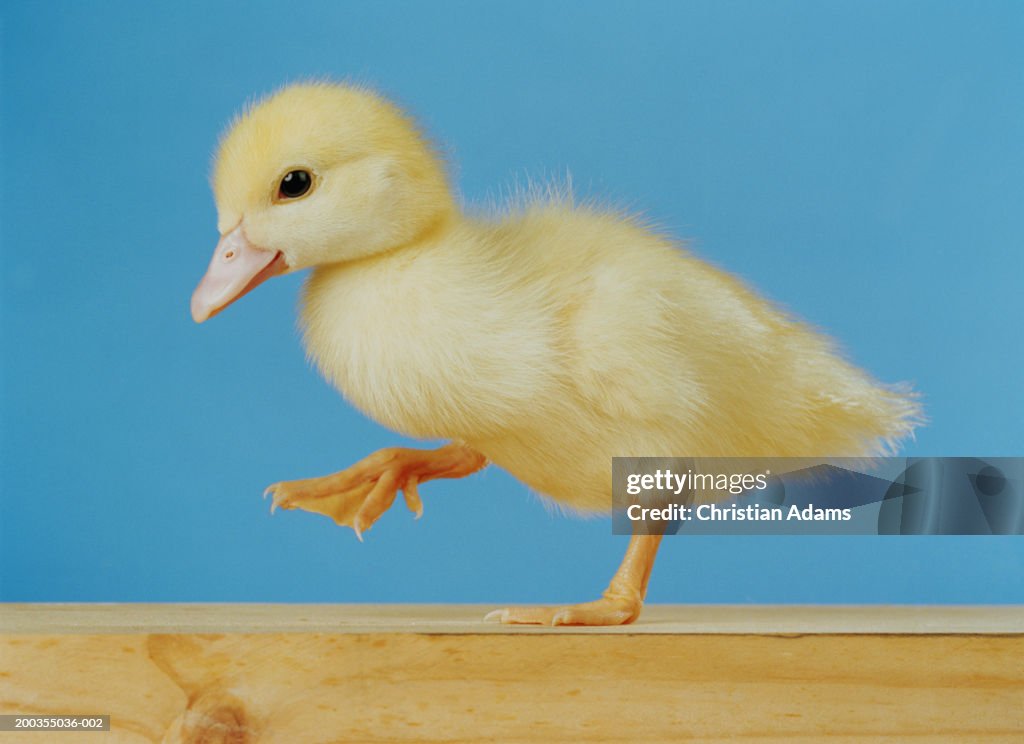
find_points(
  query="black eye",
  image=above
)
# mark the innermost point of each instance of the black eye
(295, 184)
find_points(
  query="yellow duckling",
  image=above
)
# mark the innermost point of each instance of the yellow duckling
(546, 341)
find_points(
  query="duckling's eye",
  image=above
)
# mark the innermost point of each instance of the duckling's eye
(294, 184)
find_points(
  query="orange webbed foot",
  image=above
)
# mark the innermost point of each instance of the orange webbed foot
(357, 496)
(609, 610)
(619, 605)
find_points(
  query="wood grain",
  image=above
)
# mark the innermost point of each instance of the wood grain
(423, 684)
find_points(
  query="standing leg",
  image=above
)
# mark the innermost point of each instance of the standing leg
(619, 605)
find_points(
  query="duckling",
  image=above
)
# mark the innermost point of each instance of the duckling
(544, 340)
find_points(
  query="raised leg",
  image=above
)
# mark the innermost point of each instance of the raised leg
(357, 496)
(619, 605)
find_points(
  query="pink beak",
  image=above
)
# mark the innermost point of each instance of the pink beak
(236, 267)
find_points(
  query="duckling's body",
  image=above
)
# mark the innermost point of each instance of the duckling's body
(554, 339)
(547, 340)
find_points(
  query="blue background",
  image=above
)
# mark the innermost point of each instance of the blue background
(859, 162)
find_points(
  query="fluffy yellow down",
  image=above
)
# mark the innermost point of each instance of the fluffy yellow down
(550, 337)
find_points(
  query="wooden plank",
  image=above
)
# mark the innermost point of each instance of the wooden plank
(462, 619)
(431, 683)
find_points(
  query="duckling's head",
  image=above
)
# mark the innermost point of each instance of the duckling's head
(317, 174)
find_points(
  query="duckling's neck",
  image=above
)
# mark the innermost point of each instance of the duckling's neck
(447, 232)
